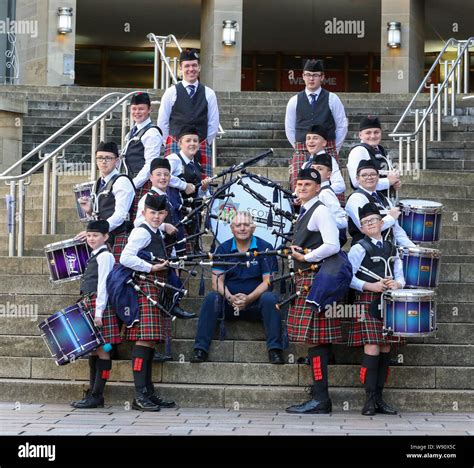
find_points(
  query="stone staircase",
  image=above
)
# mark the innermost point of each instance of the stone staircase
(437, 373)
(253, 122)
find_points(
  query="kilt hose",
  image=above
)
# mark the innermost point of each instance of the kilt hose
(110, 325)
(368, 329)
(205, 149)
(139, 192)
(305, 324)
(299, 158)
(153, 324)
(120, 242)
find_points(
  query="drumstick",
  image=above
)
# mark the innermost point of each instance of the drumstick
(370, 273)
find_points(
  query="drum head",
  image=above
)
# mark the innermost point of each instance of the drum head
(244, 201)
(404, 295)
(63, 244)
(83, 186)
(419, 252)
(420, 204)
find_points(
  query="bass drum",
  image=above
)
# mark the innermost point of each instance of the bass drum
(222, 211)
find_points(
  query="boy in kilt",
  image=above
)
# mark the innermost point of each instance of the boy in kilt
(315, 229)
(94, 300)
(366, 330)
(155, 324)
(111, 198)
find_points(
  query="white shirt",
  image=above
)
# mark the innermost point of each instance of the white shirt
(322, 221)
(337, 110)
(337, 181)
(167, 103)
(105, 264)
(328, 197)
(152, 142)
(356, 155)
(177, 169)
(356, 256)
(357, 200)
(124, 194)
(139, 239)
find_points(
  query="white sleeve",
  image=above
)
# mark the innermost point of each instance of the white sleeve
(337, 181)
(152, 141)
(176, 170)
(139, 238)
(124, 194)
(356, 155)
(290, 120)
(401, 237)
(139, 219)
(398, 273)
(167, 101)
(105, 263)
(340, 119)
(322, 221)
(212, 115)
(356, 256)
(383, 184)
(330, 200)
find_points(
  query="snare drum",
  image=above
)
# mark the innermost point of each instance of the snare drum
(67, 260)
(421, 219)
(409, 312)
(420, 266)
(80, 191)
(70, 334)
(225, 210)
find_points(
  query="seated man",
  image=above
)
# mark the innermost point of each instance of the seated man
(241, 292)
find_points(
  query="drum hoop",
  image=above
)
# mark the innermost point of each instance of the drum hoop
(420, 208)
(78, 187)
(66, 280)
(415, 252)
(409, 296)
(63, 244)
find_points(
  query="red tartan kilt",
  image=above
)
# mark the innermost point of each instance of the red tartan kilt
(172, 146)
(300, 156)
(153, 324)
(368, 329)
(110, 327)
(120, 242)
(306, 325)
(139, 192)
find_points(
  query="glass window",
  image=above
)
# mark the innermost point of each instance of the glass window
(333, 62)
(129, 77)
(88, 55)
(247, 61)
(266, 80)
(266, 61)
(358, 82)
(358, 62)
(130, 56)
(87, 75)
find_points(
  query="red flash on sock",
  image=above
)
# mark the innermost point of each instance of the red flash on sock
(317, 372)
(106, 374)
(362, 374)
(137, 364)
(387, 375)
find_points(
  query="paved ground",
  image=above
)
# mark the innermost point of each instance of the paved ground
(48, 419)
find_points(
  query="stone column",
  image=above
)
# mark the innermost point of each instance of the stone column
(46, 58)
(402, 69)
(11, 130)
(220, 65)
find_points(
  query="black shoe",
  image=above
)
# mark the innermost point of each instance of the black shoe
(311, 407)
(182, 314)
(91, 401)
(383, 407)
(160, 402)
(369, 405)
(158, 357)
(143, 403)
(85, 396)
(275, 357)
(199, 355)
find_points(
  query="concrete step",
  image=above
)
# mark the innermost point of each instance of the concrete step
(237, 396)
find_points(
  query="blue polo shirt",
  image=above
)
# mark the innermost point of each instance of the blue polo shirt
(242, 279)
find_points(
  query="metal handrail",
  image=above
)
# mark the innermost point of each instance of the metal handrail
(56, 134)
(441, 87)
(164, 59)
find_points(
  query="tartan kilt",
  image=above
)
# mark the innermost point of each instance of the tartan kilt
(172, 146)
(139, 192)
(120, 242)
(306, 325)
(153, 324)
(368, 329)
(110, 326)
(299, 157)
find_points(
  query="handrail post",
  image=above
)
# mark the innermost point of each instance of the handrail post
(440, 118)
(21, 218)
(408, 165)
(467, 65)
(167, 73)
(424, 142)
(124, 122)
(400, 154)
(11, 210)
(54, 194)
(459, 70)
(46, 182)
(453, 89)
(103, 127)
(446, 88)
(417, 140)
(156, 64)
(431, 113)
(93, 150)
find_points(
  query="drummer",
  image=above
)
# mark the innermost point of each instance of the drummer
(94, 299)
(111, 198)
(367, 180)
(366, 330)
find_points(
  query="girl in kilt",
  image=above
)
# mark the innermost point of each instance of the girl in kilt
(315, 229)
(366, 329)
(94, 300)
(154, 325)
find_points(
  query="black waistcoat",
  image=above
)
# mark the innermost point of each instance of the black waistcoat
(91, 275)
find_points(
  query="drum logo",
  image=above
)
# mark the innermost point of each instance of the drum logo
(412, 313)
(71, 263)
(425, 268)
(429, 224)
(227, 212)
